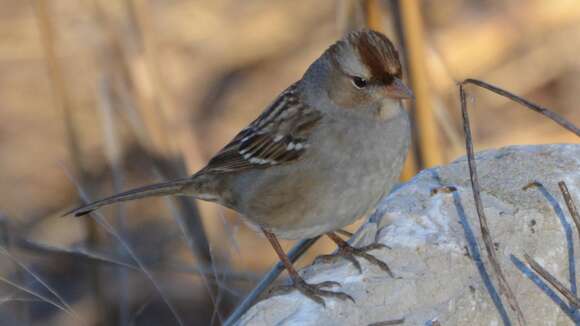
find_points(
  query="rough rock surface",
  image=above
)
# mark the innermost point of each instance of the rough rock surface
(438, 257)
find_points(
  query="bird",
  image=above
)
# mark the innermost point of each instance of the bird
(318, 158)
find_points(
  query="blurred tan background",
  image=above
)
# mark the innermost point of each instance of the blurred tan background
(121, 93)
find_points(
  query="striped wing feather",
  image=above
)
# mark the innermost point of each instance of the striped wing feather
(277, 136)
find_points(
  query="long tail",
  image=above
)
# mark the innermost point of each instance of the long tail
(160, 189)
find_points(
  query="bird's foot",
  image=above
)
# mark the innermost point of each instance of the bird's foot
(312, 291)
(349, 252)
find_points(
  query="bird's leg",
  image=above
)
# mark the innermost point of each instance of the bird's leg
(349, 252)
(312, 291)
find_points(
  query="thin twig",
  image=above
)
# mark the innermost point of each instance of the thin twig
(149, 123)
(109, 228)
(38, 279)
(61, 96)
(219, 294)
(158, 112)
(39, 296)
(183, 227)
(535, 266)
(297, 251)
(7, 234)
(13, 298)
(475, 183)
(76, 253)
(92, 256)
(570, 203)
(143, 114)
(113, 152)
(574, 301)
(140, 310)
(485, 232)
(63, 103)
(534, 107)
(389, 322)
(473, 173)
(15, 319)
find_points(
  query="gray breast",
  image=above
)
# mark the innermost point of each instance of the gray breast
(351, 166)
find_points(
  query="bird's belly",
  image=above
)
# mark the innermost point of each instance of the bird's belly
(333, 189)
(325, 208)
(334, 205)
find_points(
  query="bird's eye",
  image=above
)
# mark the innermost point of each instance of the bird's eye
(359, 82)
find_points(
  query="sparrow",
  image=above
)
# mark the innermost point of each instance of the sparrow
(318, 158)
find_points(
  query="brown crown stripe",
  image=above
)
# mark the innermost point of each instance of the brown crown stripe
(379, 55)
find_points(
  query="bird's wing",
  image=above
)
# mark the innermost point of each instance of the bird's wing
(278, 136)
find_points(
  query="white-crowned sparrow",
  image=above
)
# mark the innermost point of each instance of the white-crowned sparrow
(318, 158)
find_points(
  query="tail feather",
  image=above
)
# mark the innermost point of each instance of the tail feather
(160, 189)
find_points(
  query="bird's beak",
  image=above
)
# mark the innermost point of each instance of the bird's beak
(398, 90)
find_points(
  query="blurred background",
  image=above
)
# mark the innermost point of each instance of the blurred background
(97, 96)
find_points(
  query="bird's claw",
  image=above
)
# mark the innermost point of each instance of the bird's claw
(349, 252)
(313, 291)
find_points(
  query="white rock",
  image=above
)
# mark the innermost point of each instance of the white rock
(436, 278)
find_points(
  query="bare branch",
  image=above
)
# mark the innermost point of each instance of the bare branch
(63, 103)
(109, 228)
(77, 253)
(113, 149)
(574, 301)
(473, 173)
(534, 107)
(389, 322)
(37, 277)
(39, 296)
(489, 247)
(93, 256)
(570, 203)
